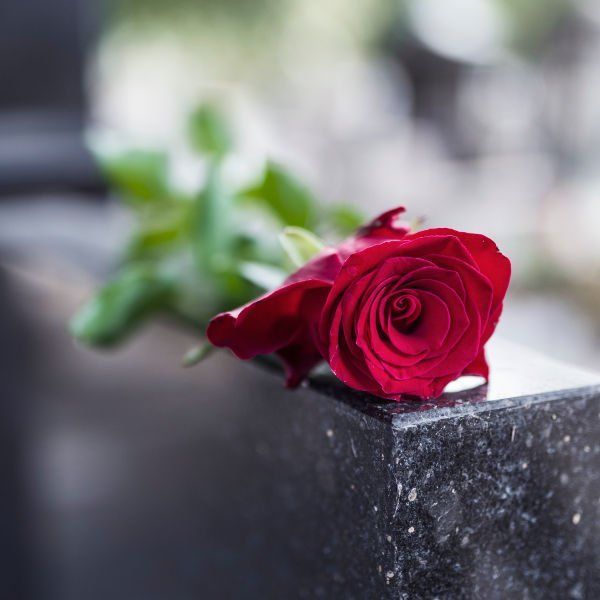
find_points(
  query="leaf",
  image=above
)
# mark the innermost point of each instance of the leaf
(208, 131)
(288, 199)
(300, 245)
(214, 242)
(120, 306)
(262, 275)
(159, 232)
(140, 176)
(197, 354)
(152, 242)
(343, 219)
(211, 232)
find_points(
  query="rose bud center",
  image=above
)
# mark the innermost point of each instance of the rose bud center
(405, 310)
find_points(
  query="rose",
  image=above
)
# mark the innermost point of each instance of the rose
(394, 313)
(408, 316)
(285, 320)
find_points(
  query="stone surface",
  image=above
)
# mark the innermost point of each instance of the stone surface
(493, 492)
(147, 481)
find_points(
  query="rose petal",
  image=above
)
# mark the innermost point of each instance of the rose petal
(280, 322)
(478, 367)
(490, 262)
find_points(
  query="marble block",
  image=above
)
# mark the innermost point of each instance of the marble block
(489, 493)
(218, 483)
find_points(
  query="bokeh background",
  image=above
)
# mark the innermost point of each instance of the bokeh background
(477, 114)
(481, 115)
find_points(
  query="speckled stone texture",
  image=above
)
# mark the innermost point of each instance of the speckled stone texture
(496, 503)
(151, 482)
(486, 494)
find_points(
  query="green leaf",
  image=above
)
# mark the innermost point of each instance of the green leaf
(288, 199)
(139, 176)
(262, 275)
(120, 306)
(212, 234)
(197, 354)
(159, 231)
(208, 131)
(343, 219)
(151, 242)
(300, 245)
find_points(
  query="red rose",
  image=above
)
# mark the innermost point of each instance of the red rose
(392, 312)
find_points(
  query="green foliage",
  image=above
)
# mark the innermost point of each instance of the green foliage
(120, 306)
(261, 275)
(159, 231)
(191, 256)
(300, 245)
(343, 219)
(208, 132)
(197, 354)
(211, 235)
(282, 194)
(138, 176)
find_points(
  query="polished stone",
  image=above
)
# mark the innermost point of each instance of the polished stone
(493, 492)
(151, 482)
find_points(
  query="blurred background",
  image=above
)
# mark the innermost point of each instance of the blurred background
(481, 115)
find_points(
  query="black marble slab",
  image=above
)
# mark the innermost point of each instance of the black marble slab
(151, 482)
